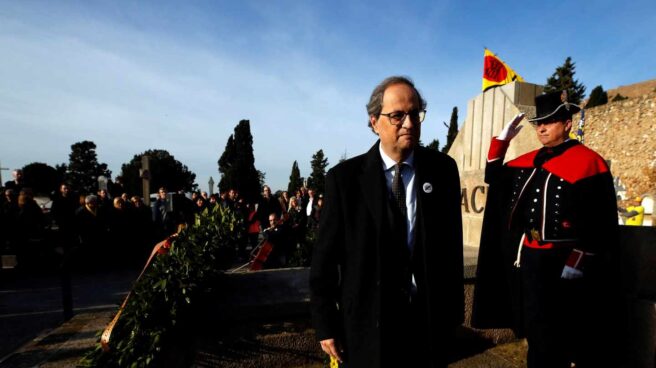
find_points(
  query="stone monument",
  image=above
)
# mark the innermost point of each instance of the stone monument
(487, 114)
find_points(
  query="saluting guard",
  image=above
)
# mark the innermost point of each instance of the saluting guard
(548, 244)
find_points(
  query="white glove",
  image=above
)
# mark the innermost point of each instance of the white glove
(571, 273)
(512, 128)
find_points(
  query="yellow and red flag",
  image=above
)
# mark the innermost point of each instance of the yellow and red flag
(496, 72)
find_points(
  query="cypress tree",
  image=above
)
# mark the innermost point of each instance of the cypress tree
(226, 166)
(317, 180)
(597, 97)
(452, 133)
(563, 79)
(237, 164)
(295, 180)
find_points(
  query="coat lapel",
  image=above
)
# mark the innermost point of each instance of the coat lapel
(373, 186)
(423, 176)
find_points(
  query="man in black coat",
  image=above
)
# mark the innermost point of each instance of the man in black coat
(17, 184)
(91, 226)
(548, 244)
(63, 211)
(387, 274)
(266, 206)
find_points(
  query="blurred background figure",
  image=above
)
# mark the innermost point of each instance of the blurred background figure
(91, 230)
(8, 218)
(634, 214)
(121, 233)
(17, 183)
(30, 227)
(63, 214)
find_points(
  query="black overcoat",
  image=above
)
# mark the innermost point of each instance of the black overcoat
(356, 271)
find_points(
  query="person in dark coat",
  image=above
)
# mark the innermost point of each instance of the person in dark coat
(386, 279)
(548, 242)
(31, 221)
(17, 184)
(163, 220)
(143, 224)
(266, 206)
(122, 230)
(63, 213)
(279, 235)
(8, 221)
(30, 226)
(92, 233)
(296, 220)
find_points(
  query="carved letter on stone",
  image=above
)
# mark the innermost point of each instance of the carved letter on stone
(463, 199)
(473, 198)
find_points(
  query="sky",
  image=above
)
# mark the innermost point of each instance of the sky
(179, 75)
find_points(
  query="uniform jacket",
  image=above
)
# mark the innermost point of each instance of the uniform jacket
(571, 200)
(357, 270)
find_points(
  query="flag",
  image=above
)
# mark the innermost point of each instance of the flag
(496, 72)
(580, 129)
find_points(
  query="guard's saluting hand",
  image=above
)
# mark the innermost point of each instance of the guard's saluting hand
(512, 129)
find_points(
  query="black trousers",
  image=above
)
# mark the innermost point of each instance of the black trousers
(565, 320)
(425, 348)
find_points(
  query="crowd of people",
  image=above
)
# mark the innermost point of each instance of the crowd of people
(282, 219)
(120, 229)
(88, 229)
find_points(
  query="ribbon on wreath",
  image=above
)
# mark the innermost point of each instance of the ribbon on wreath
(160, 248)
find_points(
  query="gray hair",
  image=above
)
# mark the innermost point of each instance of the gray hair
(375, 105)
(91, 198)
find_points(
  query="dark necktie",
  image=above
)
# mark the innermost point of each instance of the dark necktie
(398, 192)
(398, 189)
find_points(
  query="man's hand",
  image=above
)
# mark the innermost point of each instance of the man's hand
(512, 129)
(330, 347)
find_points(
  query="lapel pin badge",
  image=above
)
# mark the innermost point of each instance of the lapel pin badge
(428, 188)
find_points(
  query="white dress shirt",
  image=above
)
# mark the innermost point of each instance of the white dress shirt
(308, 208)
(408, 176)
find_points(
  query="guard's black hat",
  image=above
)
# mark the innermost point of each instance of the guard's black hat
(553, 106)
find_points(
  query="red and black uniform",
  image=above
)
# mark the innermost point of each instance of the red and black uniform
(546, 209)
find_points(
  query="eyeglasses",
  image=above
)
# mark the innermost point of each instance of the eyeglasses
(398, 117)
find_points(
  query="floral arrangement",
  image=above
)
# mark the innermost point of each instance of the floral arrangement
(153, 317)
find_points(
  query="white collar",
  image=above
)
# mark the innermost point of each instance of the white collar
(389, 163)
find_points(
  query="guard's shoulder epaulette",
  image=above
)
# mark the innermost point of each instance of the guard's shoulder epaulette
(578, 162)
(523, 161)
